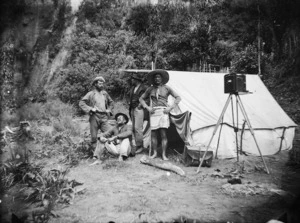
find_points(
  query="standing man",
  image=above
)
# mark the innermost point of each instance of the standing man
(98, 104)
(136, 112)
(159, 109)
(116, 140)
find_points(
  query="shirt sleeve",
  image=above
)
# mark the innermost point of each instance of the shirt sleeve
(126, 133)
(84, 103)
(108, 133)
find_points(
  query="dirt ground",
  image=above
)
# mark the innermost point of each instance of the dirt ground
(133, 192)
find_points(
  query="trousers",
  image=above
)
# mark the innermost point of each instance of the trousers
(123, 148)
(98, 121)
(137, 116)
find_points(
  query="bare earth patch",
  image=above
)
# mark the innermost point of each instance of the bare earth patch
(133, 192)
(130, 191)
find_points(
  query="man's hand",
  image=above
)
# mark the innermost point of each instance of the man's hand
(111, 139)
(108, 112)
(150, 109)
(139, 107)
(103, 139)
(167, 110)
(93, 110)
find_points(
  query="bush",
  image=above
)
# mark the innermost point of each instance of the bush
(8, 118)
(75, 83)
(33, 111)
(41, 111)
(56, 108)
(245, 61)
(65, 124)
(45, 111)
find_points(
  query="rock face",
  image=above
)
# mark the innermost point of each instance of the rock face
(31, 33)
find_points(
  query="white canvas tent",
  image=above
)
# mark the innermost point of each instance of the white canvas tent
(203, 95)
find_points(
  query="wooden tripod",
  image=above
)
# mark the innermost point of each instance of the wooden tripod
(240, 104)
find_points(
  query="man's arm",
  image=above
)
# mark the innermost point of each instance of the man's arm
(144, 97)
(142, 91)
(108, 133)
(176, 101)
(84, 103)
(110, 104)
(126, 133)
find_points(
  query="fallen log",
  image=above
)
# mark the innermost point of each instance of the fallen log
(162, 165)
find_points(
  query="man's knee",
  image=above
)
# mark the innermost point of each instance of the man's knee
(104, 126)
(94, 140)
(92, 147)
(163, 133)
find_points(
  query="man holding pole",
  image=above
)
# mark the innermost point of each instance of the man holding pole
(137, 112)
(159, 109)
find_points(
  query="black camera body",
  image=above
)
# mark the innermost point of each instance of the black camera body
(234, 83)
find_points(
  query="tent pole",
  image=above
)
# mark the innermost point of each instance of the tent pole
(251, 130)
(237, 129)
(216, 156)
(150, 143)
(282, 138)
(215, 130)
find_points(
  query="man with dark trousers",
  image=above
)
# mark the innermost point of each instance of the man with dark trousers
(137, 112)
(98, 104)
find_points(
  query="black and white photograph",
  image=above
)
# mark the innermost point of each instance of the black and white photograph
(180, 111)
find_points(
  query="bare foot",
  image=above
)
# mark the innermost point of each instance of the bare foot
(154, 155)
(164, 158)
(121, 158)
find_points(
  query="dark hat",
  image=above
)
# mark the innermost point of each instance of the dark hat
(125, 116)
(164, 75)
(137, 76)
(100, 78)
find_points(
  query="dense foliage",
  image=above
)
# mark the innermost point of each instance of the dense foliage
(214, 35)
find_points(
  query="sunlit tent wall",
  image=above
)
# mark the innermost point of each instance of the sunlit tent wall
(203, 95)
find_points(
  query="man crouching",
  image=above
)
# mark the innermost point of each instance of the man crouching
(116, 140)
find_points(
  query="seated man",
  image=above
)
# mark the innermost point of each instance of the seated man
(116, 140)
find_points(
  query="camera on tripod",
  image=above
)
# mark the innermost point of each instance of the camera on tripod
(234, 83)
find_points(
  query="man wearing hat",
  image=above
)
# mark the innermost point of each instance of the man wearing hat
(159, 108)
(136, 112)
(116, 140)
(98, 104)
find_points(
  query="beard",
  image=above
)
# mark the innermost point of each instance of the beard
(99, 88)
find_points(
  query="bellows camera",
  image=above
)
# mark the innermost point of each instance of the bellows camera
(234, 83)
